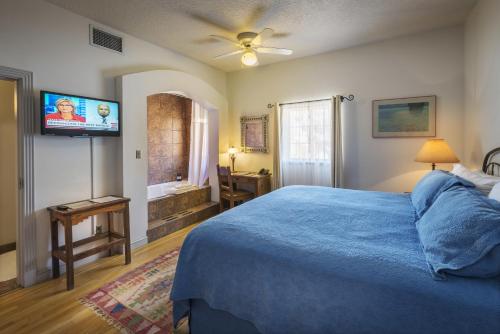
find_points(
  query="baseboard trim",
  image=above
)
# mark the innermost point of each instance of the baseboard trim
(139, 243)
(7, 247)
(7, 286)
(46, 273)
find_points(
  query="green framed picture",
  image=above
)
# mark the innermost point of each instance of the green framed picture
(404, 117)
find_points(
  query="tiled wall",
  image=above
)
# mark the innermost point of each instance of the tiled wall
(169, 120)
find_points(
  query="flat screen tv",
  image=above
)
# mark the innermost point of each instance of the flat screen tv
(72, 115)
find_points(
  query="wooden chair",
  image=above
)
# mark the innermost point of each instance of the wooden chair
(227, 189)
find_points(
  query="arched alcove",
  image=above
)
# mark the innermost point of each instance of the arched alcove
(133, 90)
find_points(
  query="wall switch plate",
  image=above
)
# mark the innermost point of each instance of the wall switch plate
(98, 229)
(137, 154)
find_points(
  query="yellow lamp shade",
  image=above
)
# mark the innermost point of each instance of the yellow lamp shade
(436, 151)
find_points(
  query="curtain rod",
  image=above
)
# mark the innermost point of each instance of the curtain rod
(349, 97)
(319, 100)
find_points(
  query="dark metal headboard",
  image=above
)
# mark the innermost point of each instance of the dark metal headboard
(489, 166)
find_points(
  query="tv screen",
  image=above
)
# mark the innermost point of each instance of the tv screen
(71, 115)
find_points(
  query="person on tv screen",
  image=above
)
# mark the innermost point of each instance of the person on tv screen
(65, 111)
(103, 111)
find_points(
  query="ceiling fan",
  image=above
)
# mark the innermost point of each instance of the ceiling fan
(249, 44)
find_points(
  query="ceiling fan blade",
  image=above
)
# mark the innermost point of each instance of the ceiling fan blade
(225, 39)
(264, 34)
(278, 51)
(229, 54)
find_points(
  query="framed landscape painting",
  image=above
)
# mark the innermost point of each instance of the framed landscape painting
(405, 117)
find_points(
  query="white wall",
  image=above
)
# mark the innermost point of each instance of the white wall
(54, 44)
(482, 81)
(8, 167)
(424, 64)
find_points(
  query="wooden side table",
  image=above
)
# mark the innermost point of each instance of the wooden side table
(73, 216)
(261, 184)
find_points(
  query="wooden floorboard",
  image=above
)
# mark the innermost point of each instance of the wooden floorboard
(49, 308)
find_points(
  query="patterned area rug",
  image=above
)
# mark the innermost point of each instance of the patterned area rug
(139, 301)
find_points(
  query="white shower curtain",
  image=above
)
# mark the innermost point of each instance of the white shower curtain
(198, 153)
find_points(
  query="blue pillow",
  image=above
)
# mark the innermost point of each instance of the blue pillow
(460, 234)
(430, 186)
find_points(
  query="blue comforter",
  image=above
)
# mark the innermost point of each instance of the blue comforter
(322, 260)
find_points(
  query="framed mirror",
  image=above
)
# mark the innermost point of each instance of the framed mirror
(255, 133)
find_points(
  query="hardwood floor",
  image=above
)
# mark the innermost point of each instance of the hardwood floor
(49, 308)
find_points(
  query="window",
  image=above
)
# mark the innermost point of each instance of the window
(306, 143)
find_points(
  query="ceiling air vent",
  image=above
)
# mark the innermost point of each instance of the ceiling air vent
(103, 39)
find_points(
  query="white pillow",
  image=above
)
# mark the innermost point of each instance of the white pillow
(495, 192)
(482, 181)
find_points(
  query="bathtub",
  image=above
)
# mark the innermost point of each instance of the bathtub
(169, 188)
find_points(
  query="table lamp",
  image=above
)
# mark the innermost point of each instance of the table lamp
(436, 151)
(232, 154)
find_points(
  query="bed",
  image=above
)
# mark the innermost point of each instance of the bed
(320, 260)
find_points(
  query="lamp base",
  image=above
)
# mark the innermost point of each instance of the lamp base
(232, 163)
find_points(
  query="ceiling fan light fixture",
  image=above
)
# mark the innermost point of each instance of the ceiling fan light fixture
(249, 58)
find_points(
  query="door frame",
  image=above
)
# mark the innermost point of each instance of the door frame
(26, 228)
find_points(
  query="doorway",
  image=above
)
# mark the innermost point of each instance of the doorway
(23, 194)
(9, 189)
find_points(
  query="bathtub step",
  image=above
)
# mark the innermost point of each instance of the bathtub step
(161, 227)
(167, 206)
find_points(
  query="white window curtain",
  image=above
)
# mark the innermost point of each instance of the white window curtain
(306, 143)
(198, 153)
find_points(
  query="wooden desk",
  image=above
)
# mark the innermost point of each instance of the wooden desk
(71, 217)
(261, 184)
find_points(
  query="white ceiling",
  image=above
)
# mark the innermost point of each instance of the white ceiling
(307, 27)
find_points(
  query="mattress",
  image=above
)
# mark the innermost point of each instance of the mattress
(314, 260)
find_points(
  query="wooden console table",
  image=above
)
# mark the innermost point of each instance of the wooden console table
(75, 214)
(261, 184)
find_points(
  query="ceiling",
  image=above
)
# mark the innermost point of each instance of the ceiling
(307, 27)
